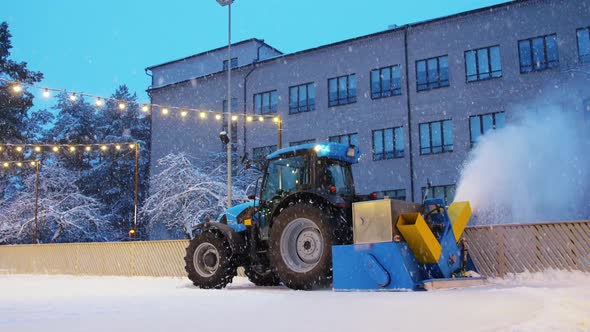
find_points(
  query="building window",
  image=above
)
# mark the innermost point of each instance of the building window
(265, 102)
(345, 139)
(259, 154)
(399, 194)
(386, 82)
(587, 109)
(584, 44)
(305, 141)
(447, 192)
(538, 53)
(436, 137)
(234, 63)
(342, 90)
(481, 124)
(388, 143)
(302, 98)
(483, 63)
(432, 73)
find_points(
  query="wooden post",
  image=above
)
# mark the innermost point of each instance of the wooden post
(280, 133)
(136, 190)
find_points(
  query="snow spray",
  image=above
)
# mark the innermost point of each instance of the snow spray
(533, 170)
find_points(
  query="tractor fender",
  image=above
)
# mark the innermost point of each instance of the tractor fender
(236, 240)
(308, 198)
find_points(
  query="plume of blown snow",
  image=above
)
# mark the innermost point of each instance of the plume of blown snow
(534, 170)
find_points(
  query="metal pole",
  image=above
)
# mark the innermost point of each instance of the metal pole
(280, 133)
(36, 233)
(136, 190)
(229, 131)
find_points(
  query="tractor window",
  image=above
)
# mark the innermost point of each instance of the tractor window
(285, 176)
(339, 175)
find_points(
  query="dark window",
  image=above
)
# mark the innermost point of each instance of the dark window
(305, 141)
(432, 73)
(265, 102)
(234, 124)
(481, 124)
(386, 82)
(388, 143)
(302, 98)
(345, 139)
(584, 44)
(393, 194)
(259, 154)
(234, 63)
(483, 63)
(342, 90)
(587, 109)
(447, 192)
(538, 53)
(436, 137)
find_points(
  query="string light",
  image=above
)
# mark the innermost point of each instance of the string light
(88, 148)
(132, 146)
(17, 86)
(55, 149)
(103, 147)
(118, 147)
(19, 149)
(37, 149)
(6, 165)
(33, 163)
(275, 119)
(72, 149)
(19, 164)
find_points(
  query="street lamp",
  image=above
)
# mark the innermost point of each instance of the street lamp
(228, 3)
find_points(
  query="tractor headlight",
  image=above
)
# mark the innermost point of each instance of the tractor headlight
(351, 152)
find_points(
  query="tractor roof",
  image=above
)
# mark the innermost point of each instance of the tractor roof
(327, 149)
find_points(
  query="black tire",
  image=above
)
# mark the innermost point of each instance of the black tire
(262, 276)
(215, 267)
(304, 260)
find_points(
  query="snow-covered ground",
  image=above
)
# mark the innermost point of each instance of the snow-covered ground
(551, 301)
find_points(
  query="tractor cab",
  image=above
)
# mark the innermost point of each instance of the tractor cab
(320, 172)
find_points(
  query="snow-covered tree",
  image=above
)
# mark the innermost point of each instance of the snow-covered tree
(185, 193)
(65, 214)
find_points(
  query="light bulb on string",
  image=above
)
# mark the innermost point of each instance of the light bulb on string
(46, 93)
(261, 118)
(203, 115)
(19, 164)
(275, 119)
(17, 88)
(121, 106)
(183, 113)
(165, 111)
(103, 147)
(6, 165)
(249, 118)
(217, 116)
(37, 149)
(55, 149)
(19, 149)
(117, 147)
(98, 102)
(33, 163)
(73, 96)
(72, 149)
(234, 118)
(145, 108)
(131, 146)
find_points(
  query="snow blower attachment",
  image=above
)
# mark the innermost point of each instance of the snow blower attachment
(404, 246)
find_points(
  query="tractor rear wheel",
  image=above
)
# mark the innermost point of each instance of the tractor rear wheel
(209, 261)
(301, 247)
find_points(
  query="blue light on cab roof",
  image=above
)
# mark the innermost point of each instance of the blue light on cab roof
(325, 149)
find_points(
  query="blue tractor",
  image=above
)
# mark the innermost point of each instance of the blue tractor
(286, 233)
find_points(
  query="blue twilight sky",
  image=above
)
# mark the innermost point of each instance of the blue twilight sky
(93, 46)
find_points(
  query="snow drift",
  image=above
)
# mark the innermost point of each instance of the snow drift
(535, 169)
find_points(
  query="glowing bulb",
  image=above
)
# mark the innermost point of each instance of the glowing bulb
(6, 165)
(118, 147)
(88, 148)
(275, 119)
(317, 148)
(1, 148)
(217, 116)
(234, 118)
(17, 88)
(203, 115)
(33, 163)
(73, 97)
(98, 102)
(72, 149)
(121, 106)
(132, 146)
(19, 164)
(19, 149)
(37, 149)
(164, 111)
(46, 93)
(249, 118)
(145, 108)
(260, 118)
(183, 113)
(55, 149)
(103, 147)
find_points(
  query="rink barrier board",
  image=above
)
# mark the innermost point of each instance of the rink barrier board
(496, 250)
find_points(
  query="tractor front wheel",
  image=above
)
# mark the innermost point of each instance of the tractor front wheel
(209, 260)
(301, 247)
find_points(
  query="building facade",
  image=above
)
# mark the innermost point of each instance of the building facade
(415, 98)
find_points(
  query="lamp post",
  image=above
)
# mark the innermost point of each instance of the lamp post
(228, 3)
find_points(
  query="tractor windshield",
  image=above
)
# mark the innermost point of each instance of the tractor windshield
(284, 176)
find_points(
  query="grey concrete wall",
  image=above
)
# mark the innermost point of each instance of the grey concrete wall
(513, 93)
